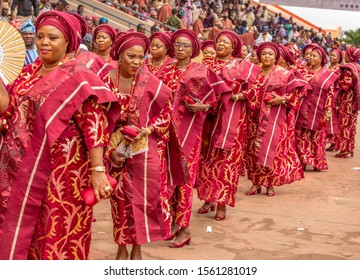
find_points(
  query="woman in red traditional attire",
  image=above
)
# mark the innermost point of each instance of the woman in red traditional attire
(55, 130)
(220, 169)
(161, 53)
(208, 49)
(195, 89)
(140, 206)
(275, 99)
(349, 103)
(104, 35)
(316, 110)
(332, 127)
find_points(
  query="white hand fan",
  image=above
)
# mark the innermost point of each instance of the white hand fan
(12, 52)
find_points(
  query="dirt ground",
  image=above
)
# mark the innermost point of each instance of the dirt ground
(317, 218)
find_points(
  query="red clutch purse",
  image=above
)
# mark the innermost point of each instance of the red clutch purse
(129, 132)
(268, 96)
(88, 194)
(189, 100)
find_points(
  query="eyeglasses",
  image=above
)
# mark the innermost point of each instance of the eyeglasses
(182, 45)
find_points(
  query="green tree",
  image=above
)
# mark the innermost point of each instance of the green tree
(353, 37)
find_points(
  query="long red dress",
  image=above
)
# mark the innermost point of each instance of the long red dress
(272, 155)
(220, 169)
(140, 204)
(349, 107)
(53, 122)
(310, 123)
(204, 84)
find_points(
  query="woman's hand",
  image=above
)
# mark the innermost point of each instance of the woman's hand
(236, 97)
(277, 100)
(118, 158)
(198, 106)
(101, 185)
(144, 132)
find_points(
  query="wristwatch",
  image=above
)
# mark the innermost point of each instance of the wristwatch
(98, 168)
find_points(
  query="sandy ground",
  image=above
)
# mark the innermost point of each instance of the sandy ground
(317, 218)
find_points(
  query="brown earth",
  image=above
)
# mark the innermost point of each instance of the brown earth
(317, 218)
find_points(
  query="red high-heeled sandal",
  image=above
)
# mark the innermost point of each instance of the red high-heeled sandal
(270, 193)
(345, 154)
(330, 148)
(203, 210)
(250, 192)
(180, 245)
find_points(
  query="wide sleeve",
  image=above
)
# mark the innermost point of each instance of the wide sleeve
(161, 122)
(346, 81)
(92, 120)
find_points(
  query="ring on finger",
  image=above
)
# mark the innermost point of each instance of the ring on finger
(107, 188)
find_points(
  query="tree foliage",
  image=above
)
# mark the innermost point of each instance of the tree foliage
(353, 37)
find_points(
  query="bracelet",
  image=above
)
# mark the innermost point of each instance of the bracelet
(206, 108)
(99, 168)
(283, 102)
(108, 153)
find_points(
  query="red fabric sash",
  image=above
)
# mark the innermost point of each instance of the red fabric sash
(66, 88)
(230, 112)
(160, 71)
(271, 121)
(205, 85)
(354, 68)
(313, 105)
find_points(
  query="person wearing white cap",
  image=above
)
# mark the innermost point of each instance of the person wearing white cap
(28, 33)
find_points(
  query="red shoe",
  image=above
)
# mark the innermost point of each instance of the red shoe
(330, 148)
(203, 210)
(250, 192)
(346, 154)
(222, 216)
(270, 193)
(180, 245)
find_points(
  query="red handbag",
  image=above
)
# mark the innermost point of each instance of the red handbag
(268, 96)
(129, 131)
(88, 195)
(189, 100)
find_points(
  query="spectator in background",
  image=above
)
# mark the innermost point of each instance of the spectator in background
(264, 36)
(164, 12)
(45, 6)
(24, 10)
(154, 29)
(80, 10)
(61, 6)
(28, 34)
(141, 28)
(174, 20)
(5, 12)
(209, 19)
(103, 20)
(226, 22)
(198, 27)
(215, 30)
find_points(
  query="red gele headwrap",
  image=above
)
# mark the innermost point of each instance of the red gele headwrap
(190, 35)
(235, 40)
(164, 37)
(106, 28)
(207, 43)
(286, 54)
(268, 45)
(353, 54)
(65, 23)
(125, 40)
(321, 52)
(83, 24)
(339, 53)
(307, 47)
